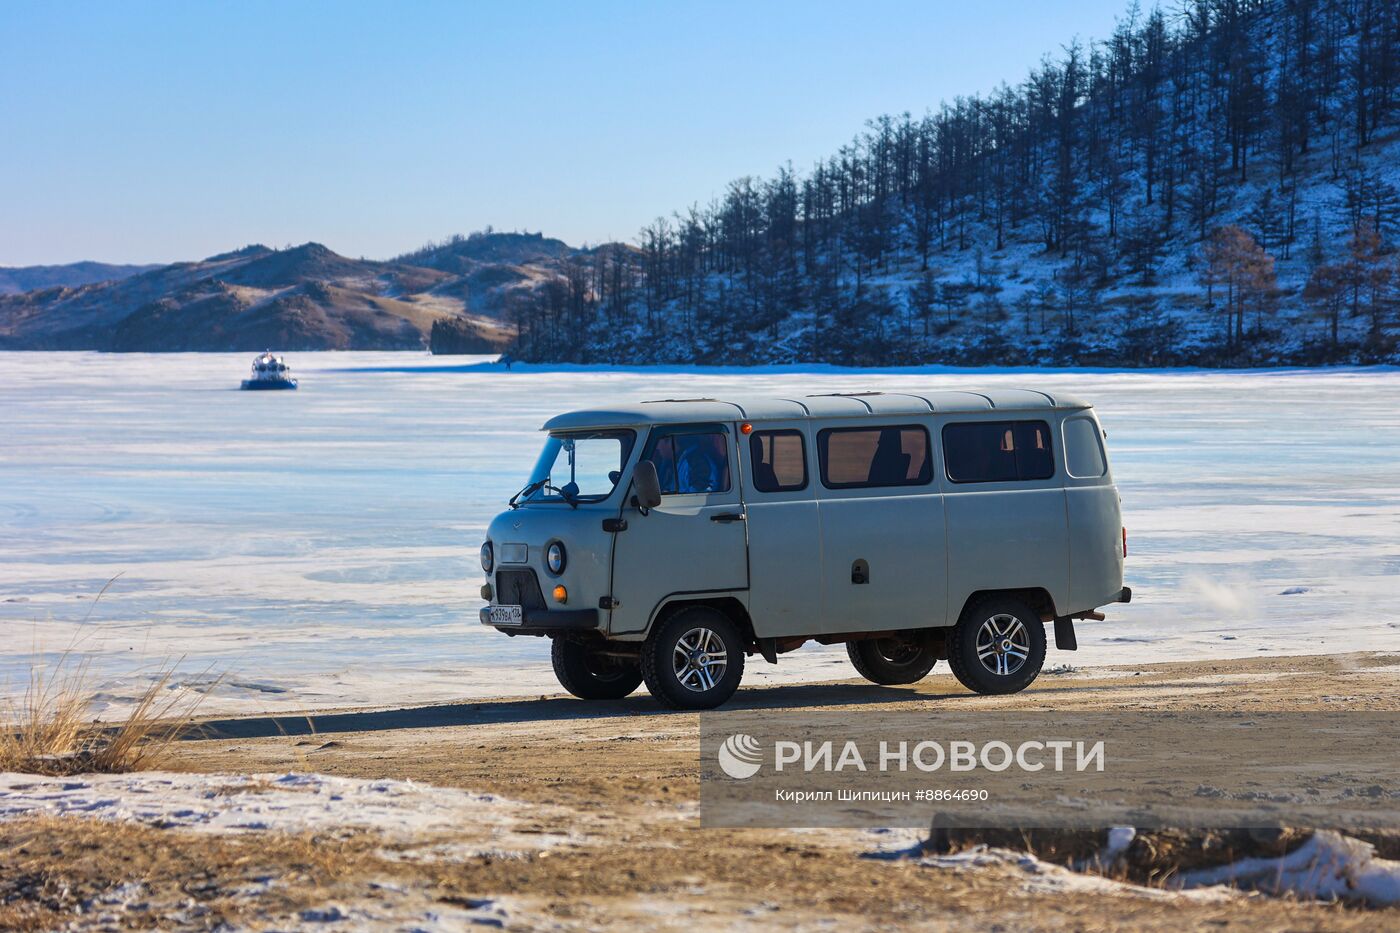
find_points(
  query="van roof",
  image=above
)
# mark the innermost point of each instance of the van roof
(796, 407)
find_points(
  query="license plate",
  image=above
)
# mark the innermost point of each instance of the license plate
(507, 615)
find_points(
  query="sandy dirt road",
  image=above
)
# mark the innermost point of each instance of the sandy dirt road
(622, 779)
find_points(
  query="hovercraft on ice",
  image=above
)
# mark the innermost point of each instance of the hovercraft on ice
(270, 372)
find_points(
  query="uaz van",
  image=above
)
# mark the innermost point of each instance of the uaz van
(666, 541)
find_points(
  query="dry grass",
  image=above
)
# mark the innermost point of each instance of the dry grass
(67, 872)
(48, 731)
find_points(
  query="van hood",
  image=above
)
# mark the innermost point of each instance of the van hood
(520, 537)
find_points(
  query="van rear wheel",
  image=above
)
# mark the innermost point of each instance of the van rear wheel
(588, 674)
(693, 659)
(998, 646)
(896, 659)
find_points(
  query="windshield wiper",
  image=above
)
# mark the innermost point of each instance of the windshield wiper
(570, 498)
(528, 490)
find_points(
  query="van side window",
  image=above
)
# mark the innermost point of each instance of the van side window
(854, 458)
(998, 451)
(1083, 453)
(691, 463)
(779, 461)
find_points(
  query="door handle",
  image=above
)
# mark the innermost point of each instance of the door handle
(728, 517)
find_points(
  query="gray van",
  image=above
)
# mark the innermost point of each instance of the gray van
(666, 541)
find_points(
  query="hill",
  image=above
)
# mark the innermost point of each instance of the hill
(492, 272)
(301, 298)
(1220, 186)
(462, 253)
(17, 279)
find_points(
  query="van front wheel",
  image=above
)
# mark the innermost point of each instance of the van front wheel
(896, 659)
(589, 674)
(998, 646)
(694, 659)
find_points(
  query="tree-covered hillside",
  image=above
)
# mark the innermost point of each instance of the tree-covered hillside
(1218, 184)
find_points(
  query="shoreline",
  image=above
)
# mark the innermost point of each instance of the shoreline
(488, 363)
(778, 694)
(236, 694)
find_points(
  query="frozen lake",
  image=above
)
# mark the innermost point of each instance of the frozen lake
(318, 548)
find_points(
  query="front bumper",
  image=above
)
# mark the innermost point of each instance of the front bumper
(548, 621)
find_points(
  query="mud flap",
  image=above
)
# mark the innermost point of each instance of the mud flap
(1064, 634)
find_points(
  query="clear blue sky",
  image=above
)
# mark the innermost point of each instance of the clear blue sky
(150, 132)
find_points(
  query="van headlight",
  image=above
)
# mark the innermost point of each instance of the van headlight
(556, 558)
(488, 557)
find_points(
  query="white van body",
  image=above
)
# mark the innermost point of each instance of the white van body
(895, 515)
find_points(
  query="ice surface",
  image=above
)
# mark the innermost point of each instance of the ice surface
(318, 547)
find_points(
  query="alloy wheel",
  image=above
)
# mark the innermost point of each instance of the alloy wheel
(1003, 644)
(700, 659)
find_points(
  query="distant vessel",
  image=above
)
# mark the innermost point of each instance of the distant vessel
(270, 372)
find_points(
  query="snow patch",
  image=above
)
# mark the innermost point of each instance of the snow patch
(1329, 867)
(401, 811)
(1119, 838)
(395, 907)
(1042, 877)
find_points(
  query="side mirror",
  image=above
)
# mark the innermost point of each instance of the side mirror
(647, 484)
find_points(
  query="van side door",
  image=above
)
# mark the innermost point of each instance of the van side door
(694, 542)
(884, 558)
(785, 547)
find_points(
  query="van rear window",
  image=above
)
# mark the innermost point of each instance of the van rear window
(1083, 455)
(854, 458)
(779, 461)
(998, 451)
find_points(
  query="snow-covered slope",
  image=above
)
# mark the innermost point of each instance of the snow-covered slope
(1070, 219)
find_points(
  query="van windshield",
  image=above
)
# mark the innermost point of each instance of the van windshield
(583, 467)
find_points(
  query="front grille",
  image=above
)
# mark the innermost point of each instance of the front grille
(518, 588)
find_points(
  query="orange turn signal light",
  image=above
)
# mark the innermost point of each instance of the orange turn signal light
(561, 595)
(745, 428)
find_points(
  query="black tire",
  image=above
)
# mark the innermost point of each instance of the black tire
(972, 641)
(895, 659)
(659, 655)
(590, 675)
